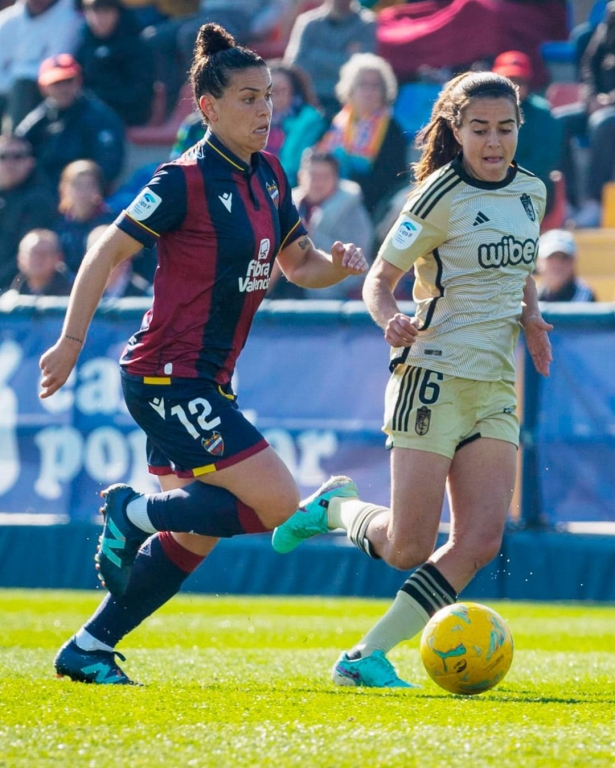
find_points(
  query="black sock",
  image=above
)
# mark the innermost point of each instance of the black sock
(204, 509)
(161, 567)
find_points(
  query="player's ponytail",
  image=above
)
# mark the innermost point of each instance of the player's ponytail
(436, 140)
(216, 56)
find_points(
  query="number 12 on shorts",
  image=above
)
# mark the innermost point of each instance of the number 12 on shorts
(201, 408)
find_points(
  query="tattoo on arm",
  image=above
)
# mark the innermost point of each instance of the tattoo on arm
(304, 243)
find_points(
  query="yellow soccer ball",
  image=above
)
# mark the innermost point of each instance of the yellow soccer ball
(467, 648)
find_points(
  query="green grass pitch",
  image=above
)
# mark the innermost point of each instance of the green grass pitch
(238, 681)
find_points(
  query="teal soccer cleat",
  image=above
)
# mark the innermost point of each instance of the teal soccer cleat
(374, 671)
(90, 666)
(120, 540)
(311, 517)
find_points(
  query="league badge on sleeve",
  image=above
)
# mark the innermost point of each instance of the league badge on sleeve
(144, 205)
(407, 232)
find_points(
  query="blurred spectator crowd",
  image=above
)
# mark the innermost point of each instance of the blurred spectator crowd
(84, 82)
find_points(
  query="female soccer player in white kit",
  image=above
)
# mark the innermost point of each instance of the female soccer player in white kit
(470, 229)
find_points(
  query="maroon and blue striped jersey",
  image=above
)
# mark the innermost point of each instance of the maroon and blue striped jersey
(218, 224)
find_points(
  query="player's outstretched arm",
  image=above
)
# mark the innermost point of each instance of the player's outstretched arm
(399, 329)
(59, 360)
(536, 329)
(309, 267)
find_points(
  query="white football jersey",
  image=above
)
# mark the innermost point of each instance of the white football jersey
(472, 245)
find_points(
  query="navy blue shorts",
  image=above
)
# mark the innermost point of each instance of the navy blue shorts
(192, 427)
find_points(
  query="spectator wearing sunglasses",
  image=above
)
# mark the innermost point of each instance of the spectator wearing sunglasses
(26, 202)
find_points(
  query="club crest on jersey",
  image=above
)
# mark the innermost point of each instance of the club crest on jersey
(423, 418)
(214, 444)
(144, 205)
(264, 248)
(407, 232)
(526, 201)
(274, 193)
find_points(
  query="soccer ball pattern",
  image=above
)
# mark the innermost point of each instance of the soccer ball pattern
(467, 648)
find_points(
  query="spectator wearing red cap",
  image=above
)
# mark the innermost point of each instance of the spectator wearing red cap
(56, 69)
(540, 144)
(30, 31)
(72, 124)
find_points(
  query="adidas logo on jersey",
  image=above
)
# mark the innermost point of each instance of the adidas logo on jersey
(481, 218)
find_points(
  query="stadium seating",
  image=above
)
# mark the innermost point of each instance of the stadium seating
(596, 260)
(561, 94)
(152, 143)
(559, 57)
(603, 287)
(159, 104)
(596, 251)
(608, 205)
(438, 33)
(165, 132)
(556, 217)
(274, 45)
(412, 108)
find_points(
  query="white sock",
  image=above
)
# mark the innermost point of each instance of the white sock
(404, 619)
(88, 642)
(423, 593)
(342, 513)
(136, 512)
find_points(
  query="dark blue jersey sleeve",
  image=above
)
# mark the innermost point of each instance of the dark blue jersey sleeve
(159, 207)
(291, 225)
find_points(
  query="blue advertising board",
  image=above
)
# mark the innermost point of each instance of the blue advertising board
(574, 433)
(313, 384)
(312, 378)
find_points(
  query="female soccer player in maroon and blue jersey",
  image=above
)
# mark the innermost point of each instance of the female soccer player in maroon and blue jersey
(219, 215)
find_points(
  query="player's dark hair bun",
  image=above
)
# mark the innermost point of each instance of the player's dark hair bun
(217, 56)
(213, 38)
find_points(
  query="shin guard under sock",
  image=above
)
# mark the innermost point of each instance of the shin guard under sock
(161, 567)
(424, 593)
(204, 509)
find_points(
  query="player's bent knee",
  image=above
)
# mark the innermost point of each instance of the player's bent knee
(195, 543)
(279, 510)
(407, 556)
(482, 550)
(489, 551)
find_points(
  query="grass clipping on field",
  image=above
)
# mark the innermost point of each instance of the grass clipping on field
(241, 681)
